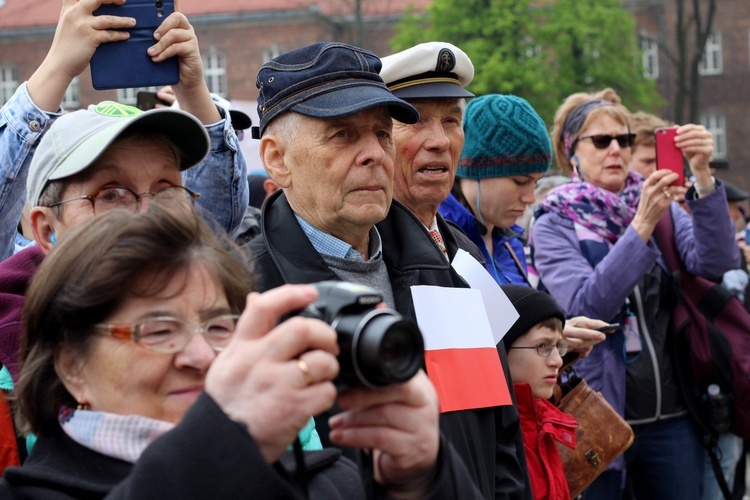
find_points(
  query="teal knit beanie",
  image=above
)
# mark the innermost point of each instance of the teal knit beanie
(504, 136)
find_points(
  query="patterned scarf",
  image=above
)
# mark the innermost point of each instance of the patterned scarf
(602, 212)
(123, 437)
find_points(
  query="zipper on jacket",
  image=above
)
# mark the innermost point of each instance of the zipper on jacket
(654, 362)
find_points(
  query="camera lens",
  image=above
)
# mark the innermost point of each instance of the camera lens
(398, 352)
(379, 348)
(159, 4)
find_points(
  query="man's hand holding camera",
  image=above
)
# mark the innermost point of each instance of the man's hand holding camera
(400, 424)
(274, 375)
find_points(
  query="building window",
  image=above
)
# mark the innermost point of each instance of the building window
(711, 62)
(215, 72)
(716, 124)
(650, 57)
(271, 52)
(72, 98)
(8, 82)
(130, 96)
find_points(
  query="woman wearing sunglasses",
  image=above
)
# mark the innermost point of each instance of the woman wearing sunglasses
(595, 252)
(149, 372)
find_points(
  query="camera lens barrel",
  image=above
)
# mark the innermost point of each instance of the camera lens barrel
(378, 348)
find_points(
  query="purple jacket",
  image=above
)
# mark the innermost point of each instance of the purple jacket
(15, 274)
(706, 245)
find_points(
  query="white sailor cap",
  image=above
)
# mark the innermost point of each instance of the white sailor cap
(428, 70)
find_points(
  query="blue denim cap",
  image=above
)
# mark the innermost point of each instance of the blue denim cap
(325, 80)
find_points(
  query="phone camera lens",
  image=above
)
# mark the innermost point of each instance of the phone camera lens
(159, 4)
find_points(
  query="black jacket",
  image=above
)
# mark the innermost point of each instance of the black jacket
(206, 456)
(486, 439)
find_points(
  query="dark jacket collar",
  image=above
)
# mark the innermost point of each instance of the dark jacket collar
(71, 467)
(288, 246)
(299, 262)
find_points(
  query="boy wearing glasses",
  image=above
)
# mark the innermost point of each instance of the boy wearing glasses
(535, 346)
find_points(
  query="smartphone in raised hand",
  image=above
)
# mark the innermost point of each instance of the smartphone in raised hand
(608, 328)
(148, 100)
(126, 64)
(669, 156)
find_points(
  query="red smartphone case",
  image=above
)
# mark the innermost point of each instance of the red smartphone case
(669, 156)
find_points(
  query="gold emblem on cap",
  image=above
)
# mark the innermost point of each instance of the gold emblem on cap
(446, 61)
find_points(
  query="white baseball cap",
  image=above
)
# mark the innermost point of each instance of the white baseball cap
(77, 139)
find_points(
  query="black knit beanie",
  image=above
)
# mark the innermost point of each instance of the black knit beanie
(533, 307)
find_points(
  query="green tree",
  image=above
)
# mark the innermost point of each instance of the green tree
(542, 52)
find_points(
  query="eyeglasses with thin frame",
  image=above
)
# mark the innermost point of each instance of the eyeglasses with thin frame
(545, 348)
(602, 141)
(167, 334)
(113, 197)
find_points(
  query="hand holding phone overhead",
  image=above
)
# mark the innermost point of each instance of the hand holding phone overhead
(128, 63)
(697, 144)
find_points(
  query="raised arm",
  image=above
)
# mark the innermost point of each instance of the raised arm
(221, 178)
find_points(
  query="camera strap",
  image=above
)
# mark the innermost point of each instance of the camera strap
(300, 473)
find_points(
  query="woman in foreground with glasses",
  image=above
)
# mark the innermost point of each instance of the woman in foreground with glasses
(138, 386)
(595, 253)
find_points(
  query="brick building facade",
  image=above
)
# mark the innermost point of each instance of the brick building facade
(724, 97)
(236, 37)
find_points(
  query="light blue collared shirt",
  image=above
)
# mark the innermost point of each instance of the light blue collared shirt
(326, 244)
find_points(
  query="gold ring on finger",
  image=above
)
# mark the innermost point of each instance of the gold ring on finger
(305, 369)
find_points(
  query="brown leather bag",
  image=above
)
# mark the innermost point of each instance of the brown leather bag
(602, 435)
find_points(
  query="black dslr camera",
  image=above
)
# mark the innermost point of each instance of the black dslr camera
(377, 347)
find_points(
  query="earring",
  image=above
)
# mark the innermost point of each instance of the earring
(82, 406)
(574, 162)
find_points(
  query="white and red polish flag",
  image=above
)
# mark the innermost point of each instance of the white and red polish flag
(460, 351)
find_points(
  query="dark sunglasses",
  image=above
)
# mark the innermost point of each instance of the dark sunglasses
(602, 141)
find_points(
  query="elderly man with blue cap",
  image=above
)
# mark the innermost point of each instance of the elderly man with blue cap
(326, 121)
